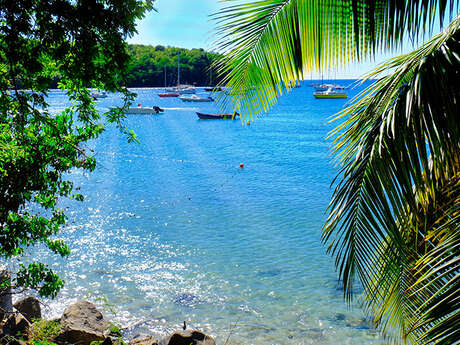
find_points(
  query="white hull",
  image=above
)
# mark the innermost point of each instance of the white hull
(196, 99)
(141, 110)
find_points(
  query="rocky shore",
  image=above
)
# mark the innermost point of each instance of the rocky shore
(81, 323)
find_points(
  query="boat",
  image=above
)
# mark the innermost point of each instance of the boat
(168, 94)
(96, 94)
(195, 98)
(204, 116)
(213, 89)
(186, 89)
(330, 93)
(140, 110)
(181, 89)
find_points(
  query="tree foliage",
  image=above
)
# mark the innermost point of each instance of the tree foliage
(148, 63)
(82, 44)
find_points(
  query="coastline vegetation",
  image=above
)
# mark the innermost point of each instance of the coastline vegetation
(148, 64)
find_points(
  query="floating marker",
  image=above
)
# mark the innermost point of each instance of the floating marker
(241, 165)
(248, 123)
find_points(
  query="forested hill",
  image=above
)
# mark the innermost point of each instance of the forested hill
(148, 62)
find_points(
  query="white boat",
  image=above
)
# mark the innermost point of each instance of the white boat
(195, 98)
(330, 93)
(325, 87)
(140, 110)
(97, 94)
(186, 89)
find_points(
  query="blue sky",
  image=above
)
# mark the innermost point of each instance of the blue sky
(179, 23)
(186, 24)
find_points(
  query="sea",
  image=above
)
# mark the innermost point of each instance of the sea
(213, 222)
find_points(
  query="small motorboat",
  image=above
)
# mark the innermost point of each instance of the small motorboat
(168, 94)
(204, 116)
(195, 98)
(140, 110)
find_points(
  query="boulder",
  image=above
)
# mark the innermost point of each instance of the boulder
(188, 337)
(10, 340)
(82, 323)
(29, 307)
(15, 324)
(143, 340)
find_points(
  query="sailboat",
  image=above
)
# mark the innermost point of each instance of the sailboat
(168, 92)
(182, 89)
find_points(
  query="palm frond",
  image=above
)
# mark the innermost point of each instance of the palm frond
(268, 45)
(399, 146)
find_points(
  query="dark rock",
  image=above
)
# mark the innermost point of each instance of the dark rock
(15, 324)
(188, 337)
(143, 340)
(29, 307)
(107, 341)
(82, 323)
(10, 340)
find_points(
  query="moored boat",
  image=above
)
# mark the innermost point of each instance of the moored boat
(96, 94)
(195, 98)
(213, 89)
(204, 116)
(330, 93)
(140, 110)
(168, 94)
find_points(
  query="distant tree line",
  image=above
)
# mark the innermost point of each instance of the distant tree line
(147, 66)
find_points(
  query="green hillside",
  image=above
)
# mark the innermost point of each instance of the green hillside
(148, 63)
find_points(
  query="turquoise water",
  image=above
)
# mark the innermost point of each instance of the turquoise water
(173, 229)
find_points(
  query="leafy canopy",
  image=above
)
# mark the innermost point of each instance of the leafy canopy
(81, 43)
(148, 64)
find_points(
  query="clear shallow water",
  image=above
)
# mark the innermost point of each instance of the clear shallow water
(172, 229)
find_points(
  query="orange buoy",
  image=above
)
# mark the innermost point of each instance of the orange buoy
(241, 165)
(248, 123)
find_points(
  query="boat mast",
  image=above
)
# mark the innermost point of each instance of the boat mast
(165, 76)
(178, 69)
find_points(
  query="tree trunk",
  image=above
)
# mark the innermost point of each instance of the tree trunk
(6, 300)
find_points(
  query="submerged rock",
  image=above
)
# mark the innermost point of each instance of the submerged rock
(143, 340)
(29, 307)
(187, 300)
(82, 323)
(188, 337)
(360, 323)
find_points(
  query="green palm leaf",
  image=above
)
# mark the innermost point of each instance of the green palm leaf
(270, 44)
(393, 220)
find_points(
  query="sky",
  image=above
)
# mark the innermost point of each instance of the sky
(187, 24)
